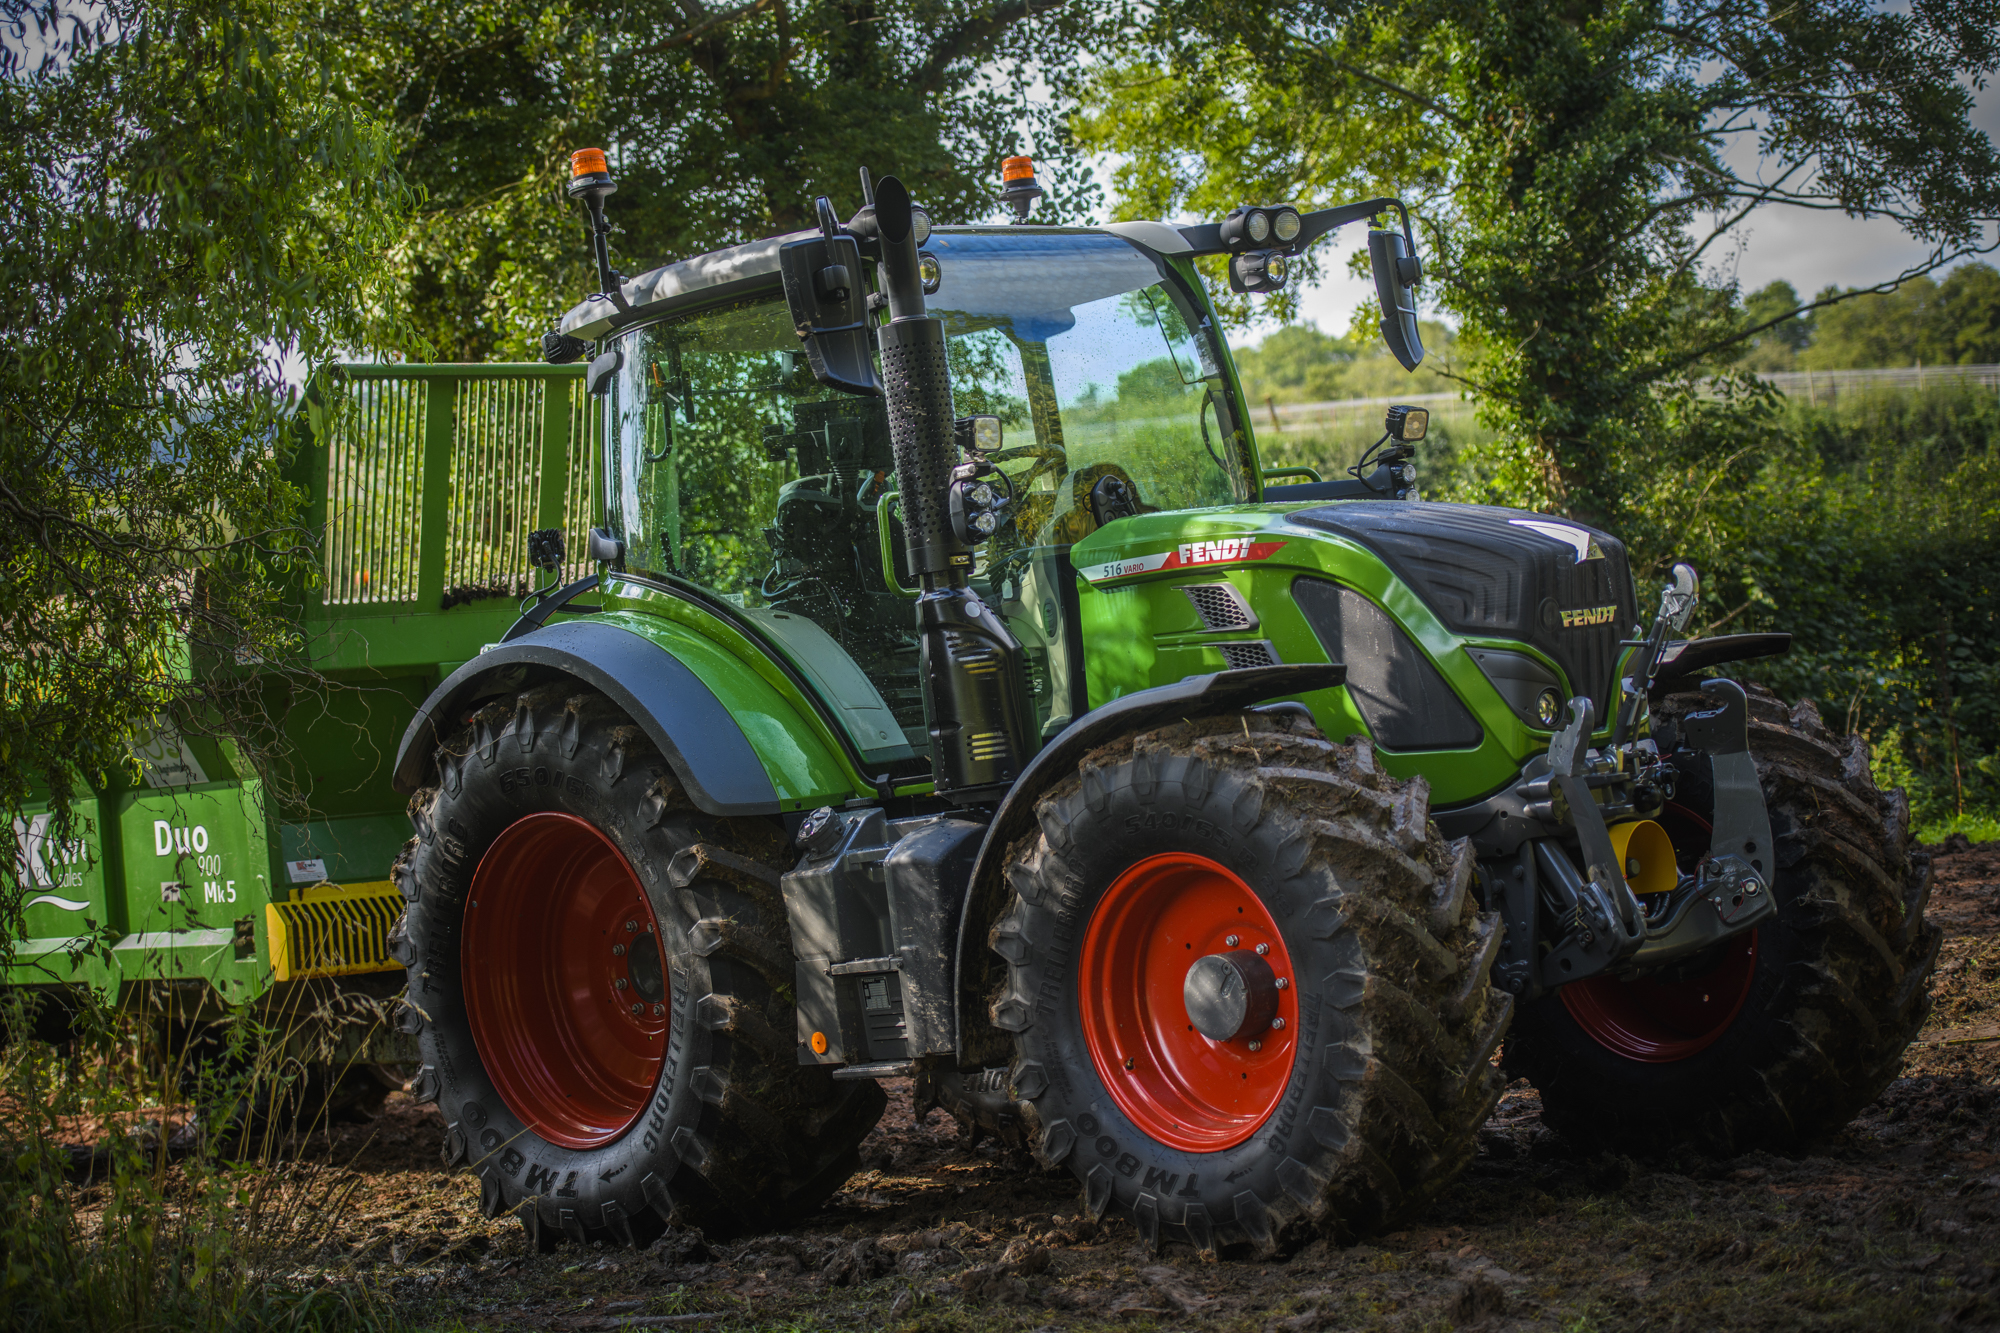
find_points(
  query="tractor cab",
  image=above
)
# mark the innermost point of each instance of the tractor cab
(730, 467)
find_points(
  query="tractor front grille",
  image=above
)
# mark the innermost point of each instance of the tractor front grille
(334, 931)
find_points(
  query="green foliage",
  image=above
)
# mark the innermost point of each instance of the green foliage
(165, 1226)
(1777, 346)
(190, 196)
(1870, 531)
(1561, 163)
(1299, 364)
(722, 125)
(1956, 321)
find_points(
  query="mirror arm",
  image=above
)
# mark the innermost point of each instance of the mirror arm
(1206, 238)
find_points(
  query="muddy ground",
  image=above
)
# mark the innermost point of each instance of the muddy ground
(1894, 1223)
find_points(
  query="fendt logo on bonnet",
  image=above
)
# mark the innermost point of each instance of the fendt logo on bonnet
(1589, 615)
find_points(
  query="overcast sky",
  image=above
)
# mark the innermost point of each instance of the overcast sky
(1809, 249)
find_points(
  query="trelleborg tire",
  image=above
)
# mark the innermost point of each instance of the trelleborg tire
(600, 980)
(1781, 1034)
(1223, 847)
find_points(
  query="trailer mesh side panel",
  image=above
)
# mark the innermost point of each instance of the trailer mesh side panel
(496, 468)
(374, 501)
(582, 507)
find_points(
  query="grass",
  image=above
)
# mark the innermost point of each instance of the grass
(132, 1207)
(1975, 827)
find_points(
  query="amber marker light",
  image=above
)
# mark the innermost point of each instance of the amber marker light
(1017, 186)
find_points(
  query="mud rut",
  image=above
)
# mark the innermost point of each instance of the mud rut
(1895, 1222)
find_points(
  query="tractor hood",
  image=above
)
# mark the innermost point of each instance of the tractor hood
(1459, 581)
(1494, 573)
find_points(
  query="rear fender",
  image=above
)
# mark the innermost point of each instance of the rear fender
(1197, 696)
(696, 729)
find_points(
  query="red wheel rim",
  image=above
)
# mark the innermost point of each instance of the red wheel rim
(1178, 1086)
(560, 947)
(1660, 1022)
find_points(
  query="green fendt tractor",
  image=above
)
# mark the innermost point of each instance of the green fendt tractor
(956, 700)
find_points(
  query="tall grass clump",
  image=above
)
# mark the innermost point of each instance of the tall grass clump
(148, 1188)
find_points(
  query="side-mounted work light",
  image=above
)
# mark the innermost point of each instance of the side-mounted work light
(1247, 226)
(1258, 271)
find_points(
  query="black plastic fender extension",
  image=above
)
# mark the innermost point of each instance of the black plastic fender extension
(1196, 696)
(702, 743)
(1683, 659)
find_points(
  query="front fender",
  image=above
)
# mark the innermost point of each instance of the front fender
(701, 741)
(1197, 696)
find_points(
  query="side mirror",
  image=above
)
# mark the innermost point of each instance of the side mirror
(829, 305)
(1396, 273)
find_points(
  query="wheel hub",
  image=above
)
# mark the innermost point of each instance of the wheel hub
(1231, 995)
(1185, 995)
(564, 988)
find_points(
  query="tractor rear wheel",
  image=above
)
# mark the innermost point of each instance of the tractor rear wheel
(1247, 986)
(600, 980)
(1779, 1034)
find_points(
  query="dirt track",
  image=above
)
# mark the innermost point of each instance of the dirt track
(1895, 1223)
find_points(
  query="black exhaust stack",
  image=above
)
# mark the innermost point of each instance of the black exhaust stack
(974, 673)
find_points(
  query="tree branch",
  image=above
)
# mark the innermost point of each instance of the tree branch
(974, 33)
(695, 32)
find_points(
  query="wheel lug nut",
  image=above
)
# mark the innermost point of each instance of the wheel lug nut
(1263, 948)
(638, 1008)
(631, 925)
(1256, 1045)
(1277, 1022)
(1282, 983)
(620, 982)
(617, 951)
(659, 1010)
(1233, 941)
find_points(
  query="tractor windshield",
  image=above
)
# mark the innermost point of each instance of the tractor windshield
(729, 466)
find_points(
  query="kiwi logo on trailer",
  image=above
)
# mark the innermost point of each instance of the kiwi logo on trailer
(45, 862)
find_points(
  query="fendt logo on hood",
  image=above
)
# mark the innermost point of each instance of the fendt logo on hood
(1225, 550)
(1589, 615)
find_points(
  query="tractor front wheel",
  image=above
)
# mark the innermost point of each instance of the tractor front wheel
(600, 980)
(1247, 986)
(1781, 1033)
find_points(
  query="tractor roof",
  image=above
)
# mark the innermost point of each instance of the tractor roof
(743, 269)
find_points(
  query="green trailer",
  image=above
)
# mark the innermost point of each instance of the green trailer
(204, 886)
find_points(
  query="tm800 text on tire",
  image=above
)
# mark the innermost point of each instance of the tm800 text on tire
(599, 975)
(1247, 986)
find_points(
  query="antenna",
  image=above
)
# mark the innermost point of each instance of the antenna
(867, 188)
